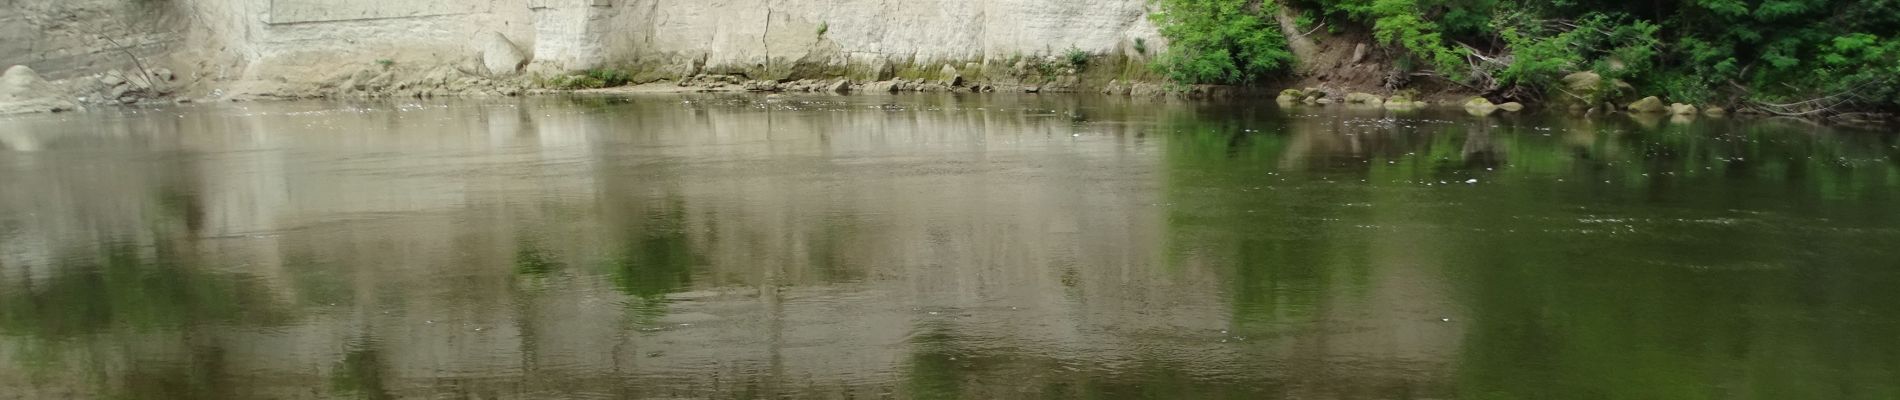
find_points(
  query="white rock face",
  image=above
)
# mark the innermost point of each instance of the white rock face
(500, 56)
(307, 40)
(23, 91)
(573, 34)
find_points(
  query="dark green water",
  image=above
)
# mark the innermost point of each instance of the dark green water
(940, 248)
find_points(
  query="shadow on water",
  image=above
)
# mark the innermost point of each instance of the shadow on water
(942, 247)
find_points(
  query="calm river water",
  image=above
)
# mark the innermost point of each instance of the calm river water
(940, 247)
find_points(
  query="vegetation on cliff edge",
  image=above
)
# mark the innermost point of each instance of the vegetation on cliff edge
(1789, 57)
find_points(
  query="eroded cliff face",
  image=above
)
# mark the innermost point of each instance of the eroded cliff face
(326, 43)
(63, 38)
(780, 38)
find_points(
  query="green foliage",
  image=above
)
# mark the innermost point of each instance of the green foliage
(1077, 58)
(1615, 48)
(823, 27)
(590, 79)
(1141, 46)
(1691, 51)
(611, 77)
(1220, 41)
(386, 63)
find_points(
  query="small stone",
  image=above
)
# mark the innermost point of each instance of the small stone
(1682, 109)
(112, 80)
(1511, 106)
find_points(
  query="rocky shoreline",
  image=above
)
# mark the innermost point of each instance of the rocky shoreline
(1584, 95)
(29, 93)
(22, 90)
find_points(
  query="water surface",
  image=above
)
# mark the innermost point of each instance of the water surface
(940, 247)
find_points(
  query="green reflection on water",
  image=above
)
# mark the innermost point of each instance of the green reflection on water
(360, 374)
(1612, 268)
(659, 258)
(118, 287)
(1336, 256)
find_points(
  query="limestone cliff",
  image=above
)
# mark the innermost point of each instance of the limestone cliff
(221, 43)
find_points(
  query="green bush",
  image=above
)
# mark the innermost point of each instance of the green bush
(1077, 58)
(573, 82)
(1758, 51)
(1220, 41)
(590, 79)
(1613, 47)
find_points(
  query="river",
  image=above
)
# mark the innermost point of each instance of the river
(940, 247)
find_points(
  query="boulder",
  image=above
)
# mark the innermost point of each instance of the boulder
(766, 86)
(1583, 82)
(841, 86)
(1649, 104)
(164, 75)
(1324, 100)
(120, 93)
(1149, 90)
(949, 76)
(1401, 104)
(880, 87)
(1714, 111)
(20, 82)
(1479, 106)
(1400, 101)
(1291, 96)
(112, 79)
(500, 56)
(1511, 106)
(23, 91)
(1363, 98)
(883, 70)
(1581, 90)
(1682, 109)
(1313, 94)
(1480, 103)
